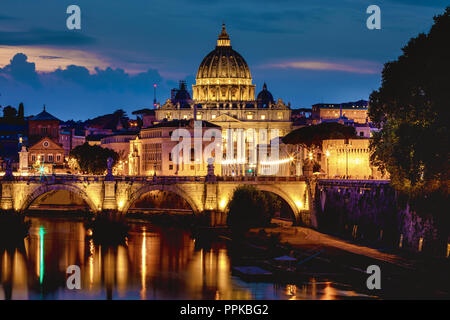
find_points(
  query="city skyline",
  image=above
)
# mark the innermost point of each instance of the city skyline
(117, 57)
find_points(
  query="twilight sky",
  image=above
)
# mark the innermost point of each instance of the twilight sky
(308, 51)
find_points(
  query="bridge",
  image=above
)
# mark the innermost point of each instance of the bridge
(120, 192)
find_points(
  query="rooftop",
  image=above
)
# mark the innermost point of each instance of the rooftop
(43, 116)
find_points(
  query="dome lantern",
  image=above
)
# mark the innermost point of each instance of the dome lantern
(224, 38)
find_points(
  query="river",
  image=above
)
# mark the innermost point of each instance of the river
(155, 263)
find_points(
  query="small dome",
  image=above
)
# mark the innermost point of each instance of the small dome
(182, 93)
(182, 96)
(264, 98)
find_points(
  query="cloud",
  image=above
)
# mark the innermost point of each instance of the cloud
(44, 37)
(76, 92)
(352, 67)
(21, 70)
(50, 57)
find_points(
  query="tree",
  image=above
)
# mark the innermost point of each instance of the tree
(250, 207)
(9, 113)
(411, 108)
(312, 136)
(21, 112)
(92, 159)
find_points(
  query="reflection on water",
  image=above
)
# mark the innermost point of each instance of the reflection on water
(155, 263)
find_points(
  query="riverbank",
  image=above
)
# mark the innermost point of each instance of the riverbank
(327, 257)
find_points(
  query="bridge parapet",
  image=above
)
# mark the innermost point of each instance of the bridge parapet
(121, 192)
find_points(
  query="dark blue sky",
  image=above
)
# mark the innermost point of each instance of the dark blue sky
(307, 51)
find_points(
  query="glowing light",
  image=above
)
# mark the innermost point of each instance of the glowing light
(41, 254)
(299, 204)
(121, 204)
(327, 153)
(310, 155)
(233, 161)
(223, 204)
(143, 267)
(275, 162)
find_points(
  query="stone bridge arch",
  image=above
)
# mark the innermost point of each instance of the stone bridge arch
(196, 208)
(283, 195)
(51, 187)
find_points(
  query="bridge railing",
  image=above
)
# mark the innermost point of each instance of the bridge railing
(151, 179)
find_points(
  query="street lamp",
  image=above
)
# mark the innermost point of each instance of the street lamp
(328, 163)
(347, 144)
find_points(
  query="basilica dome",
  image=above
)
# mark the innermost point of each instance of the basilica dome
(223, 74)
(223, 62)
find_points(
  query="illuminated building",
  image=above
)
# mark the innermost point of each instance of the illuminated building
(151, 152)
(120, 143)
(350, 158)
(46, 155)
(353, 111)
(225, 96)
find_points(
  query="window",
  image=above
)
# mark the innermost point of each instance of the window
(280, 115)
(199, 116)
(170, 166)
(213, 116)
(361, 134)
(249, 116)
(58, 158)
(263, 117)
(50, 158)
(185, 117)
(170, 156)
(33, 158)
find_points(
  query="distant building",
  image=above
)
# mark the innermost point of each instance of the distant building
(356, 111)
(12, 137)
(43, 125)
(147, 117)
(45, 153)
(95, 131)
(120, 143)
(70, 138)
(45, 156)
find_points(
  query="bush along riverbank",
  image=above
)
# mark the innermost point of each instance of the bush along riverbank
(385, 219)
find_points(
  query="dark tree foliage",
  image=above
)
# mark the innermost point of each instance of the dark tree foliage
(251, 208)
(9, 113)
(21, 112)
(312, 136)
(93, 159)
(109, 121)
(412, 110)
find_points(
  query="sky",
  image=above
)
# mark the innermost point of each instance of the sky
(307, 51)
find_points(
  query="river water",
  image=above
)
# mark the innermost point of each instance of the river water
(155, 263)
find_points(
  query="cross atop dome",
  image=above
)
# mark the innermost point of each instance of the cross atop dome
(224, 38)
